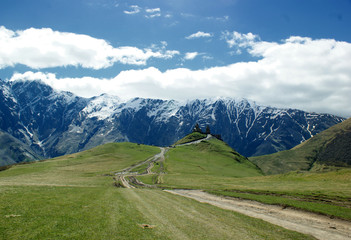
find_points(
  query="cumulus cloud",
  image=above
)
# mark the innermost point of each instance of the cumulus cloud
(191, 55)
(134, 9)
(298, 72)
(44, 48)
(199, 34)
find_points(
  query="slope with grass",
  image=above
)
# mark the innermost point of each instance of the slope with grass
(207, 164)
(73, 197)
(88, 168)
(214, 167)
(327, 150)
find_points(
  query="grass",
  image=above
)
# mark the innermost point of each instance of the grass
(213, 166)
(191, 137)
(141, 169)
(292, 201)
(328, 193)
(44, 212)
(73, 197)
(88, 168)
(209, 163)
(303, 156)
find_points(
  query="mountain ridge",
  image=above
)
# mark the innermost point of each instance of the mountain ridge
(55, 123)
(328, 150)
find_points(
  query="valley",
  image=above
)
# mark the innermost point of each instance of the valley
(179, 120)
(119, 191)
(74, 197)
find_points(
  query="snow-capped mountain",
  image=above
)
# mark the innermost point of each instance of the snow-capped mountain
(55, 123)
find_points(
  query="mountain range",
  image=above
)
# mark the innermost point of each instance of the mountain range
(49, 123)
(328, 150)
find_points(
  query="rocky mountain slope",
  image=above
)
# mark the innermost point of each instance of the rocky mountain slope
(327, 150)
(54, 123)
(13, 151)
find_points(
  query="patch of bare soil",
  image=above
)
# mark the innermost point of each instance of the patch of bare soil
(319, 226)
(147, 226)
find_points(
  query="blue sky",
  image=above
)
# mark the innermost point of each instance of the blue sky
(291, 53)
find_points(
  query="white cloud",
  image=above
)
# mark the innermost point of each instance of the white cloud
(221, 19)
(134, 9)
(236, 39)
(152, 10)
(199, 34)
(153, 15)
(191, 55)
(44, 48)
(303, 73)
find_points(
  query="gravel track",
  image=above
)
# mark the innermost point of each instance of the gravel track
(321, 227)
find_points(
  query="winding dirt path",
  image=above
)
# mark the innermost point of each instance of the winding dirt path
(127, 172)
(209, 136)
(321, 227)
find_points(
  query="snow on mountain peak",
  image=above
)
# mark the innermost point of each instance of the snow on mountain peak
(102, 107)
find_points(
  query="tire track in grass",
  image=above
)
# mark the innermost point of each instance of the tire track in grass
(175, 217)
(152, 212)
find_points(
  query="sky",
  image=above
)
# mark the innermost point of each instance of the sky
(288, 54)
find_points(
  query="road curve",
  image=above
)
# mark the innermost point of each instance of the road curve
(121, 176)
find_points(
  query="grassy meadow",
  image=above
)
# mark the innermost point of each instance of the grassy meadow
(88, 168)
(216, 168)
(73, 197)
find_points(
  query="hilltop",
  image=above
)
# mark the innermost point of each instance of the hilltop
(207, 163)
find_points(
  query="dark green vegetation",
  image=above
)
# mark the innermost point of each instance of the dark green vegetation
(73, 197)
(328, 150)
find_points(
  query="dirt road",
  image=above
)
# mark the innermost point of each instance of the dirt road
(128, 172)
(321, 227)
(209, 136)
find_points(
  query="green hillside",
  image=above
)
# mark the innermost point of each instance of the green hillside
(74, 197)
(328, 150)
(207, 164)
(86, 168)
